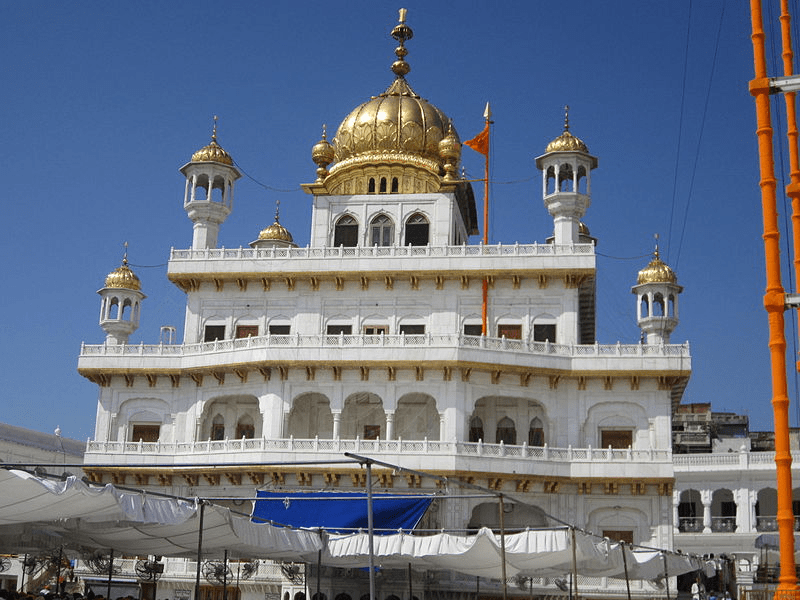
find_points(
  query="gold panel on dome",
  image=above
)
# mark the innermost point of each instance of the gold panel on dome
(411, 139)
(433, 136)
(385, 134)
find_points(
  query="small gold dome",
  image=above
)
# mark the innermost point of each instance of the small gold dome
(567, 142)
(322, 153)
(276, 231)
(657, 271)
(213, 152)
(123, 277)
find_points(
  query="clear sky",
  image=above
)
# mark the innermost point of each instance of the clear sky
(102, 102)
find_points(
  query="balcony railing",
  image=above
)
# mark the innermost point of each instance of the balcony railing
(690, 524)
(723, 524)
(244, 447)
(770, 523)
(381, 251)
(391, 341)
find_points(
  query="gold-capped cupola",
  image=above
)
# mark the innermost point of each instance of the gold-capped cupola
(213, 152)
(390, 143)
(123, 278)
(566, 142)
(657, 271)
(276, 235)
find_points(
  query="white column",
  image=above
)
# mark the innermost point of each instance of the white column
(337, 422)
(676, 500)
(442, 426)
(389, 425)
(705, 497)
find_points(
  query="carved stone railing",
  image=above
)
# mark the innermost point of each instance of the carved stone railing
(205, 254)
(391, 341)
(326, 447)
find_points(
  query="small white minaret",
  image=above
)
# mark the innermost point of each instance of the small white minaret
(657, 293)
(121, 302)
(566, 169)
(208, 198)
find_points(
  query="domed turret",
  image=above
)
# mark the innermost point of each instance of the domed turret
(566, 183)
(120, 304)
(208, 197)
(657, 292)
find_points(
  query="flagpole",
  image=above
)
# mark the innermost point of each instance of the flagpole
(487, 114)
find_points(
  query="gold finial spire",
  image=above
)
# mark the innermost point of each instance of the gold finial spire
(125, 254)
(566, 117)
(277, 210)
(401, 33)
(655, 253)
(214, 130)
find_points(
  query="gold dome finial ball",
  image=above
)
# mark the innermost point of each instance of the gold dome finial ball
(123, 277)
(322, 153)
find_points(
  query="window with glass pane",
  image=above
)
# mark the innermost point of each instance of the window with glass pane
(279, 329)
(618, 439)
(417, 230)
(544, 332)
(381, 231)
(412, 329)
(509, 331)
(337, 329)
(243, 331)
(214, 332)
(346, 232)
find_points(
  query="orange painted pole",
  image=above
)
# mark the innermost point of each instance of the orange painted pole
(774, 303)
(487, 114)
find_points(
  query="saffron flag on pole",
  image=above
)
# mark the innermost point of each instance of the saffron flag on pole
(480, 143)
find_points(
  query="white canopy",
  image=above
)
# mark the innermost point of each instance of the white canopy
(533, 553)
(38, 514)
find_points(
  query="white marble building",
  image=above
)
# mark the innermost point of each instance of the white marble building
(370, 340)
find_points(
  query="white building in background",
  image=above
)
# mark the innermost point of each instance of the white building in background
(369, 341)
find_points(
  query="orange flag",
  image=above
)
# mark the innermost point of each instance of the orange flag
(480, 143)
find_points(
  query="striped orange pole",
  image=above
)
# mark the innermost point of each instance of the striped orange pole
(774, 303)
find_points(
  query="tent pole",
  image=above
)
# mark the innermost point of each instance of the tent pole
(575, 565)
(199, 552)
(371, 533)
(477, 588)
(58, 571)
(503, 545)
(625, 565)
(24, 562)
(110, 573)
(224, 575)
(319, 574)
(666, 574)
(410, 590)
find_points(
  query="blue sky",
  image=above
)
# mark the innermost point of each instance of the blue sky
(103, 102)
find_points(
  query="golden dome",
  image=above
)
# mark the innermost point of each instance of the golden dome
(657, 271)
(213, 152)
(276, 231)
(395, 127)
(123, 277)
(566, 142)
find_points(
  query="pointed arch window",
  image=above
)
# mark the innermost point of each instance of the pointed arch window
(506, 432)
(475, 429)
(383, 185)
(371, 186)
(245, 428)
(417, 230)
(381, 231)
(536, 433)
(345, 232)
(218, 428)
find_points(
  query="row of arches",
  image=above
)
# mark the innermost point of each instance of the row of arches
(381, 231)
(721, 511)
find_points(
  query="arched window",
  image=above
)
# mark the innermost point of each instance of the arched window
(645, 307)
(383, 185)
(658, 305)
(536, 433)
(381, 231)
(475, 429)
(506, 432)
(345, 232)
(417, 230)
(218, 428)
(395, 185)
(371, 186)
(245, 428)
(343, 597)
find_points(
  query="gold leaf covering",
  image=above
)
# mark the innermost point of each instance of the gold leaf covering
(276, 231)
(657, 271)
(123, 277)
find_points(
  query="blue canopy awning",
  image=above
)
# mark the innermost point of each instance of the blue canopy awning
(340, 511)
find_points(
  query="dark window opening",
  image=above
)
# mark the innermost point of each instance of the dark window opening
(473, 329)
(337, 329)
(536, 434)
(372, 432)
(371, 187)
(279, 329)
(412, 329)
(218, 432)
(145, 433)
(214, 332)
(619, 535)
(395, 185)
(417, 231)
(544, 332)
(510, 332)
(245, 430)
(506, 432)
(616, 439)
(375, 329)
(383, 185)
(243, 331)
(346, 232)
(475, 429)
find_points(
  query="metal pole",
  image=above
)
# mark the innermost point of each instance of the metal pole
(371, 533)
(110, 573)
(410, 590)
(224, 575)
(58, 570)
(666, 573)
(24, 562)
(503, 547)
(574, 564)
(317, 596)
(625, 565)
(199, 552)
(477, 588)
